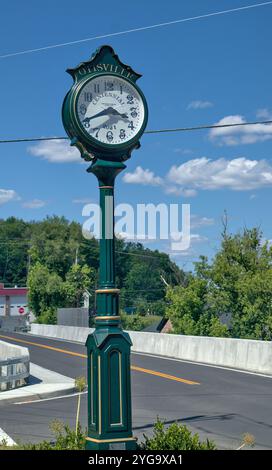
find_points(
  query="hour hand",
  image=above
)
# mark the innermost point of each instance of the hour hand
(102, 113)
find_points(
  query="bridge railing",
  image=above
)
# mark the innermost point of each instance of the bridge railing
(14, 366)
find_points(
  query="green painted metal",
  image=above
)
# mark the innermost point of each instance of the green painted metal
(103, 62)
(108, 347)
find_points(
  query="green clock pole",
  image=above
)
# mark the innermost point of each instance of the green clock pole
(105, 79)
(109, 390)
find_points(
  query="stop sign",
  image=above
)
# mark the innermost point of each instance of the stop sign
(21, 310)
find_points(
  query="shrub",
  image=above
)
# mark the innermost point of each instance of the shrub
(175, 437)
(137, 322)
(65, 439)
(48, 317)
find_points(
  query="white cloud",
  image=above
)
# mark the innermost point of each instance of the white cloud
(55, 151)
(240, 134)
(197, 221)
(141, 176)
(148, 178)
(239, 174)
(7, 195)
(34, 204)
(199, 104)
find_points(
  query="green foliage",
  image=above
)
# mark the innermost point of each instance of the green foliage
(175, 437)
(78, 280)
(65, 439)
(57, 263)
(48, 317)
(45, 289)
(55, 243)
(137, 322)
(188, 310)
(14, 242)
(237, 283)
(142, 285)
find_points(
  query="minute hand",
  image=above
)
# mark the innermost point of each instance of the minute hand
(106, 112)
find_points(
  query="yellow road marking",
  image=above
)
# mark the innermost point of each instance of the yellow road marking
(165, 376)
(64, 351)
(71, 353)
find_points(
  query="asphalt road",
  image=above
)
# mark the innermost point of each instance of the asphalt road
(219, 404)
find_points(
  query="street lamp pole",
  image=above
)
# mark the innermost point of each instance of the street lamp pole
(109, 391)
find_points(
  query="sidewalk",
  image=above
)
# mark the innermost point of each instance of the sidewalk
(43, 383)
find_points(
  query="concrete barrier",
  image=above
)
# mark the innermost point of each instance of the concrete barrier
(70, 333)
(14, 366)
(248, 355)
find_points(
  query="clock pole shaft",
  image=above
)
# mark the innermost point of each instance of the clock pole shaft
(108, 347)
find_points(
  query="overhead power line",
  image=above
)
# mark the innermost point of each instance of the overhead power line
(135, 30)
(155, 131)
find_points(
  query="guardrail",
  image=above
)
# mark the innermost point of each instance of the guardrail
(14, 366)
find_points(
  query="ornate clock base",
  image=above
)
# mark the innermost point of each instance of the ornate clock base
(114, 444)
(109, 394)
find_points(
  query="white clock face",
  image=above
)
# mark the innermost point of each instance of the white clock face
(110, 109)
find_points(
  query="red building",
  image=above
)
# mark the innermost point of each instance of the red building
(13, 300)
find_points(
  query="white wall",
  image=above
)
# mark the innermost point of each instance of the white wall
(250, 355)
(15, 302)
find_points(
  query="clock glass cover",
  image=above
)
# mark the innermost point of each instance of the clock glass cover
(110, 109)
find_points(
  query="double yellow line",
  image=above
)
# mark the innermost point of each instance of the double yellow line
(72, 353)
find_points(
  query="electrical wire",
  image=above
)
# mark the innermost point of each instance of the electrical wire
(134, 30)
(155, 131)
(139, 255)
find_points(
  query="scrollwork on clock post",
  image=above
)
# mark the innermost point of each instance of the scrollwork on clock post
(105, 114)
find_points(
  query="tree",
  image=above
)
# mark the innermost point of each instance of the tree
(241, 283)
(14, 244)
(79, 279)
(188, 310)
(238, 282)
(46, 289)
(57, 244)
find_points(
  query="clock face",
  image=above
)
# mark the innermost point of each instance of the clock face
(110, 109)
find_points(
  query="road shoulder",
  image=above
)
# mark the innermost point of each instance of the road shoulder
(43, 383)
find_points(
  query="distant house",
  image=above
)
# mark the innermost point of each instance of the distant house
(160, 326)
(13, 301)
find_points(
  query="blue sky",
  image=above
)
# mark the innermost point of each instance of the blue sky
(200, 72)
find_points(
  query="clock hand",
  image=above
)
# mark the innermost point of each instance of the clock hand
(114, 112)
(102, 113)
(106, 112)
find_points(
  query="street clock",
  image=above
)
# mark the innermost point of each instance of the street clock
(105, 112)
